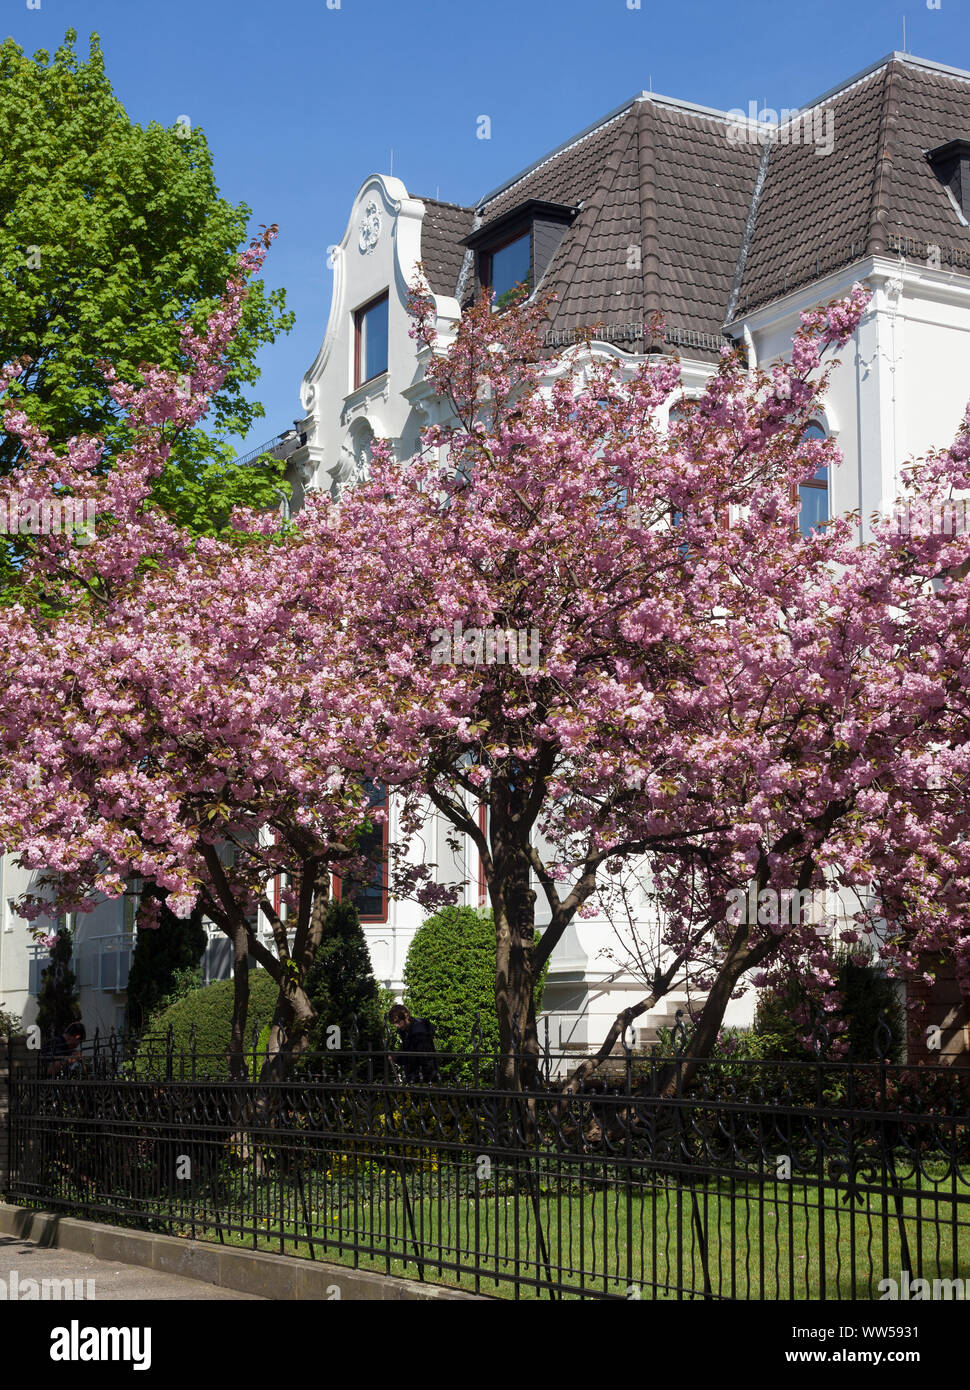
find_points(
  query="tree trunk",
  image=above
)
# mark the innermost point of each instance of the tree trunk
(294, 1014)
(513, 902)
(235, 1054)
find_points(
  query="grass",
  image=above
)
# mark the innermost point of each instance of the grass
(786, 1240)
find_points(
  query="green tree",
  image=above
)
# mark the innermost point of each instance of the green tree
(340, 984)
(111, 234)
(58, 1001)
(161, 962)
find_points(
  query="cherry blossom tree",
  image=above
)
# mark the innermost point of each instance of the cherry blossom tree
(613, 637)
(160, 712)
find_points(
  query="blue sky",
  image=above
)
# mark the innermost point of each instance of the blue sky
(300, 102)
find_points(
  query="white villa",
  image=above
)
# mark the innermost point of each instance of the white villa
(731, 228)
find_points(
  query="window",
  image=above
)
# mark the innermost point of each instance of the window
(518, 247)
(369, 894)
(508, 266)
(813, 495)
(370, 340)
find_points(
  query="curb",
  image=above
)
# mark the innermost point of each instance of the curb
(285, 1277)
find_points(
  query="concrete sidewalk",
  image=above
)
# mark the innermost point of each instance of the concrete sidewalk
(22, 1259)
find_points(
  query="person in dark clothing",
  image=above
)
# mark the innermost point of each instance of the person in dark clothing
(416, 1056)
(65, 1053)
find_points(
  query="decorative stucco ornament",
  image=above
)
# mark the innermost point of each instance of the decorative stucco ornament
(370, 228)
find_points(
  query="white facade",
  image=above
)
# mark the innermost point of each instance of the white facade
(900, 388)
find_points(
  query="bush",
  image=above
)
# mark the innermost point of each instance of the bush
(866, 995)
(449, 977)
(340, 984)
(210, 1011)
(58, 1000)
(10, 1025)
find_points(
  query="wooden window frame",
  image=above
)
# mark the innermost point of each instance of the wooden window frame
(359, 315)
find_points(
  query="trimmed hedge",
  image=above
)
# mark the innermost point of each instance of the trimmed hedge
(449, 976)
(210, 1010)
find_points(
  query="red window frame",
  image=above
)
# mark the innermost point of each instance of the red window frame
(335, 885)
(358, 321)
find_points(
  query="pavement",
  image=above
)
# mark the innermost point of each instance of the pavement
(21, 1260)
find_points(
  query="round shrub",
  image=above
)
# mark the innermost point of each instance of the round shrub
(210, 1011)
(449, 977)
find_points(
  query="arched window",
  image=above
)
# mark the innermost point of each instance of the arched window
(813, 495)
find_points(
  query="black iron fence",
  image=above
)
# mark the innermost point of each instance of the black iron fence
(746, 1180)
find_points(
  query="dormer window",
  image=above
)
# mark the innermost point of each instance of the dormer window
(508, 267)
(517, 248)
(951, 165)
(370, 340)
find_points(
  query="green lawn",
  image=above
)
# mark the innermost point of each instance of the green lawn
(781, 1246)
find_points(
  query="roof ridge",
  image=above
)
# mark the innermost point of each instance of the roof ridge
(590, 211)
(879, 210)
(571, 143)
(748, 236)
(443, 203)
(647, 182)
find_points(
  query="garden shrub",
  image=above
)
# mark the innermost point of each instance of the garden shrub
(867, 994)
(58, 1000)
(449, 977)
(210, 1011)
(340, 983)
(161, 962)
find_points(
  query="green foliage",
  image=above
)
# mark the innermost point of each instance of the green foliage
(110, 235)
(58, 1000)
(449, 977)
(10, 1025)
(866, 995)
(340, 984)
(184, 981)
(209, 1010)
(162, 962)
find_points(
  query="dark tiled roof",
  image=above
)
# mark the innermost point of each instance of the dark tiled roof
(442, 230)
(663, 202)
(673, 215)
(820, 211)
